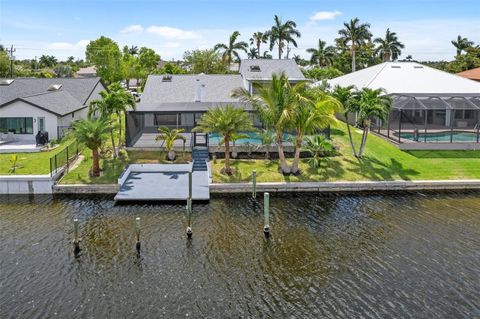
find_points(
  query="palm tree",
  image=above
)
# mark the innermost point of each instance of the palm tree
(169, 137)
(355, 34)
(133, 50)
(114, 101)
(274, 102)
(322, 55)
(266, 55)
(227, 121)
(313, 110)
(389, 47)
(318, 146)
(371, 104)
(461, 44)
(346, 96)
(257, 39)
(92, 133)
(268, 138)
(253, 53)
(231, 49)
(282, 34)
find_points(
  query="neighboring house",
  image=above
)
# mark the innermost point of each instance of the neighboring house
(429, 105)
(88, 72)
(473, 74)
(30, 105)
(178, 101)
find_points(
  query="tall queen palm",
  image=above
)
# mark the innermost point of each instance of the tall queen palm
(354, 34)
(389, 47)
(231, 49)
(257, 39)
(282, 34)
(461, 44)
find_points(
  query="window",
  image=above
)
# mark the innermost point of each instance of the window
(165, 120)
(254, 68)
(17, 125)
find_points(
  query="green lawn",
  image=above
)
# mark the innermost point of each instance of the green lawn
(30, 163)
(111, 169)
(382, 161)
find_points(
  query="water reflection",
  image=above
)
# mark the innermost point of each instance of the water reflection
(328, 256)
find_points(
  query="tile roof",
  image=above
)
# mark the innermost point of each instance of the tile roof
(72, 95)
(407, 78)
(473, 74)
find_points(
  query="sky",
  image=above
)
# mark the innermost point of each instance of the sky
(64, 27)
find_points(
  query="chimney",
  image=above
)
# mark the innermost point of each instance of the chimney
(198, 90)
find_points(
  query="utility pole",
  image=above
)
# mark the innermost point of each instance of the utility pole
(11, 51)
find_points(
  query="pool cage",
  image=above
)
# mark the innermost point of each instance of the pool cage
(426, 118)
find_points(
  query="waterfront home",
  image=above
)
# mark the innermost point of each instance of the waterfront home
(178, 101)
(432, 109)
(32, 105)
(87, 72)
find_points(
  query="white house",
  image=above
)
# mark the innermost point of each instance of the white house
(30, 105)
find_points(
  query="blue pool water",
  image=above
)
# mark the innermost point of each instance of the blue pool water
(443, 137)
(253, 138)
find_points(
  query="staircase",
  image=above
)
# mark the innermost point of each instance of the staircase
(200, 156)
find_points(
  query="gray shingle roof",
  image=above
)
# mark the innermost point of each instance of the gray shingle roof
(180, 93)
(269, 67)
(72, 95)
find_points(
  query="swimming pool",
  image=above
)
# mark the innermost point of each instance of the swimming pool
(253, 138)
(443, 137)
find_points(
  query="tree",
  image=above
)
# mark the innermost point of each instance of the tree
(282, 34)
(322, 55)
(148, 59)
(371, 104)
(266, 55)
(461, 44)
(355, 34)
(204, 61)
(133, 50)
(320, 74)
(313, 110)
(467, 61)
(257, 39)
(114, 101)
(253, 53)
(92, 133)
(4, 65)
(231, 49)
(267, 138)
(274, 102)
(106, 56)
(346, 96)
(63, 71)
(169, 137)
(318, 146)
(227, 121)
(48, 61)
(171, 68)
(389, 47)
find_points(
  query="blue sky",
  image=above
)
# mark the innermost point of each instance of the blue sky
(63, 28)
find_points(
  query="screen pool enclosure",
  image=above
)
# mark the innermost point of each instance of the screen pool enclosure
(427, 118)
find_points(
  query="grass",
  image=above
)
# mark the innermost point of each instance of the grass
(112, 168)
(382, 161)
(30, 163)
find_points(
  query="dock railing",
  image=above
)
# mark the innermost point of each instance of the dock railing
(64, 157)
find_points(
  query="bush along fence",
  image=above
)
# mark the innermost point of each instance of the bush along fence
(64, 158)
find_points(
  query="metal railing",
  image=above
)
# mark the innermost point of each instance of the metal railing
(64, 157)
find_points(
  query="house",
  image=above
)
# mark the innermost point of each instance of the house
(429, 106)
(30, 105)
(88, 72)
(178, 101)
(473, 74)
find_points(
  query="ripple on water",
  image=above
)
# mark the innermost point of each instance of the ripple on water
(333, 256)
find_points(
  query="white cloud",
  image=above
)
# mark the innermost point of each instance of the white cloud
(132, 28)
(61, 46)
(325, 15)
(171, 45)
(83, 43)
(172, 33)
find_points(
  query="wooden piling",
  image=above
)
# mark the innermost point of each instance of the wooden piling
(76, 237)
(190, 184)
(189, 218)
(137, 234)
(254, 184)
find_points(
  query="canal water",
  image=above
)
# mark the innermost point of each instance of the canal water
(336, 256)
